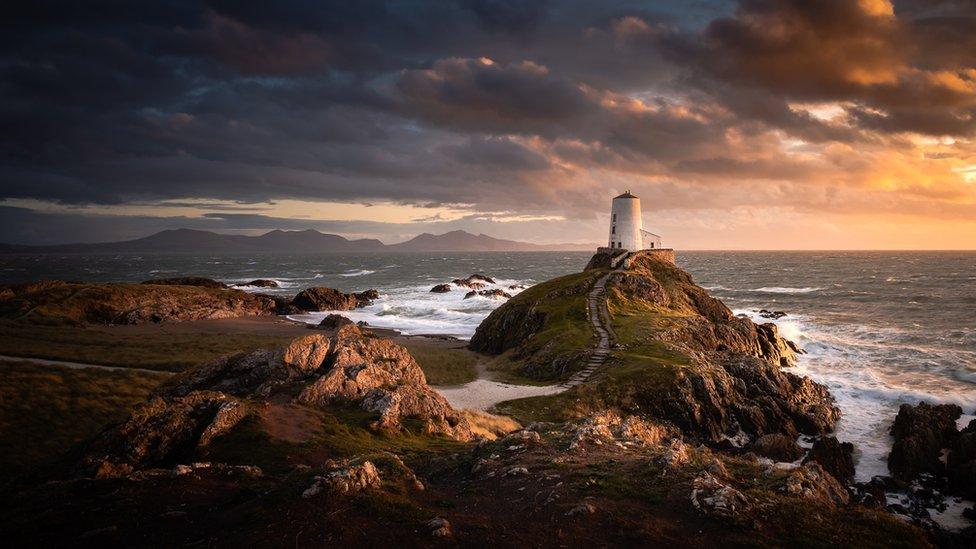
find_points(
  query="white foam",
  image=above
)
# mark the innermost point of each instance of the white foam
(850, 362)
(414, 310)
(785, 290)
(360, 272)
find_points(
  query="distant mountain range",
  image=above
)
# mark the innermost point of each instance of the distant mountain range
(194, 241)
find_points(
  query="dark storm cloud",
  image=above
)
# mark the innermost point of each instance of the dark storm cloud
(499, 104)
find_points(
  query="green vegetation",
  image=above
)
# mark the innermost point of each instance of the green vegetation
(444, 365)
(151, 349)
(45, 410)
(557, 348)
(340, 432)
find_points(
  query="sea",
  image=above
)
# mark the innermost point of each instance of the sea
(879, 328)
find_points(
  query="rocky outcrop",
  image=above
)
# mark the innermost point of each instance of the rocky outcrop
(59, 302)
(836, 457)
(199, 281)
(320, 298)
(777, 447)
(346, 480)
(260, 283)
(163, 431)
(491, 294)
(811, 481)
(961, 462)
(929, 446)
(715, 498)
(334, 322)
(921, 432)
(475, 281)
(441, 289)
(743, 393)
(344, 368)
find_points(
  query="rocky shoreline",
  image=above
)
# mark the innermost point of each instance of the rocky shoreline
(694, 419)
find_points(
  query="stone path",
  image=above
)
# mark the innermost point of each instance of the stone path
(596, 309)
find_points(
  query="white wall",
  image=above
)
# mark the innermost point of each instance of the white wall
(625, 224)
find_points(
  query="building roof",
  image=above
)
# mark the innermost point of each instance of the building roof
(625, 195)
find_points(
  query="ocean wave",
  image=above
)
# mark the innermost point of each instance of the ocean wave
(785, 290)
(361, 272)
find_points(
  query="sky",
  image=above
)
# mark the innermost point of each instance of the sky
(750, 124)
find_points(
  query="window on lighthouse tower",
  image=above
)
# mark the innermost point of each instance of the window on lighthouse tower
(613, 229)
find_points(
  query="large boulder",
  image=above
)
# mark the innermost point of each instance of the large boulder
(961, 462)
(836, 457)
(320, 298)
(441, 289)
(777, 447)
(334, 322)
(920, 433)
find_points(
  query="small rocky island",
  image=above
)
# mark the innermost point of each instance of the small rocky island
(676, 423)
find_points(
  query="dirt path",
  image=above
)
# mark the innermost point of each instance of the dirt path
(81, 365)
(482, 393)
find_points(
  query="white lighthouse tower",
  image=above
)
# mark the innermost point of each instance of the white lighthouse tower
(626, 227)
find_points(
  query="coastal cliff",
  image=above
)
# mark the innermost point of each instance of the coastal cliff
(680, 355)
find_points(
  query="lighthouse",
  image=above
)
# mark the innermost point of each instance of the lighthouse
(626, 227)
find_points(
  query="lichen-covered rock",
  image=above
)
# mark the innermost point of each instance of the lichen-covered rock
(714, 498)
(777, 447)
(811, 481)
(921, 432)
(836, 457)
(347, 480)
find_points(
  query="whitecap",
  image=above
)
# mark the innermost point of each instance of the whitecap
(361, 272)
(785, 290)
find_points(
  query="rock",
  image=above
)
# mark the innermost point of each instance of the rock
(961, 463)
(771, 314)
(585, 508)
(641, 430)
(739, 391)
(475, 281)
(441, 289)
(676, 455)
(162, 431)
(714, 498)
(836, 457)
(921, 432)
(199, 281)
(320, 298)
(493, 294)
(385, 380)
(334, 322)
(260, 283)
(777, 447)
(517, 286)
(345, 367)
(345, 480)
(439, 527)
(811, 481)
(516, 471)
(57, 302)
